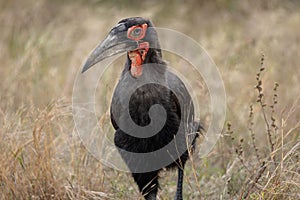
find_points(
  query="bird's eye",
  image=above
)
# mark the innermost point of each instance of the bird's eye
(136, 32)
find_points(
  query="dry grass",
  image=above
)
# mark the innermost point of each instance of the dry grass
(43, 44)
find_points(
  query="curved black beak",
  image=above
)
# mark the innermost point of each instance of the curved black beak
(116, 42)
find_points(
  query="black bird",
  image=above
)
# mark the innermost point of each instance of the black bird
(147, 82)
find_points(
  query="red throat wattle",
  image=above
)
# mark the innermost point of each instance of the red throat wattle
(137, 58)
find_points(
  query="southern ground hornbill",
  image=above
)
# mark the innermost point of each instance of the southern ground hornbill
(153, 84)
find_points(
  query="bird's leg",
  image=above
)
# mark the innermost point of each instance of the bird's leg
(179, 184)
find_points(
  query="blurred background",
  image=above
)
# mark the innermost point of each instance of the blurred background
(44, 43)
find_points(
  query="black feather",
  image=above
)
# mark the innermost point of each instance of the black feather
(178, 106)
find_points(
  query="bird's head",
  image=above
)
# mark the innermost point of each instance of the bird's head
(132, 35)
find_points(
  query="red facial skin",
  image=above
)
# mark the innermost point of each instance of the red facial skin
(138, 56)
(136, 63)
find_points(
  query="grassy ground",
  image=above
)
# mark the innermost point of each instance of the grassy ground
(43, 44)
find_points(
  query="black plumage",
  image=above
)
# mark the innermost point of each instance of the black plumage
(162, 88)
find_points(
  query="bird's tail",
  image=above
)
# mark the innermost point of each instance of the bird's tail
(195, 130)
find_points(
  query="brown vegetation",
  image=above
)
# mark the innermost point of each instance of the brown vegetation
(43, 44)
